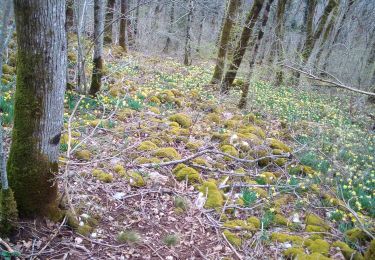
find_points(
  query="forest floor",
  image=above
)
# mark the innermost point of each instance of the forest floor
(161, 166)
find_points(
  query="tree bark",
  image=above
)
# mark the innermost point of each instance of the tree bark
(109, 21)
(241, 46)
(280, 39)
(136, 20)
(123, 25)
(39, 105)
(97, 71)
(5, 31)
(69, 15)
(224, 40)
(170, 29)
(187, 56)
(245, 88)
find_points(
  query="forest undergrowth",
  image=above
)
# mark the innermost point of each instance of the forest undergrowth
(160, 165)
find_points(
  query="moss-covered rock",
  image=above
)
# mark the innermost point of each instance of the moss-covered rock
(182, 119)
(301, 170)
(268, 177)
(135, 179)
(293, 252)
(349, 253)
(166, 96)
(102, 176)
(277, 144)
(318, 246)
(147, 146)
(229, 149)
(84, 230)
(282, 238)
(119, 169)
(215, 198)
(281, 220)
(253, 130)
(239, 224)
(356, 235)
(213, 117)
(315, 224)
(188, 173)
(167, 152)
(232, 238)
(370, 253)
(254, 221)
(84, 155)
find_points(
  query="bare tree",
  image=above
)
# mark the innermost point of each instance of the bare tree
(39, 105)
(170, 28)
(241, 45)
(187, 55)
(97, 71)
(123, 25)
(224, 40)
(109, 21)
(245, 87)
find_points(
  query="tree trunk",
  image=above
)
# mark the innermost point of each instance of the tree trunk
(4, 31)
(224, 40)
(313, 37)
(136, 20)
(97, 71)
(69, 15)
(280, 39)
(109, 21)
(241, 46)
(170, 29)
(187, 56)
(245, 88)
(123, 25)
(39, 105)
(335, 38)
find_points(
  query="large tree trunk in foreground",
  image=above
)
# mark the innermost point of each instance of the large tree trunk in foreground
(123, 25)
(97, 71)
(240, 50)
(246, 86)
(224, 40)
(39, 104)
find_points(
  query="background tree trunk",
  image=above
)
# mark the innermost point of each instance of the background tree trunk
(187, 55)
(123, 25)
(97, 71)
(108, 21)
(5, 31)
(224, 40)
(240, 50)
(39, 104)
(246, 86)
(279, 39)
(170, 29)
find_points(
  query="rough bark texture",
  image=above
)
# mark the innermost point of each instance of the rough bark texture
(280, 39)
(39, 99)
(336, 36)
(187, 55)
(123, 25)
(241, 46)
(245, 87)
(97, 71)
(313, 37)
(224, 40)
(109, 21)
(170, 28)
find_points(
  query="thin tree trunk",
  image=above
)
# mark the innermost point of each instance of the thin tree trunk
(245, 88)
(39, 105)
(4, 31)
(309, 40)
(170, 29)
(241, 46)
(136, 20)
(224, 40)
(109, 21)
(187, 56)
(313, 37)
(69, 15)
(336, 36)
(280, 39)
(97, 71)
(123, 25)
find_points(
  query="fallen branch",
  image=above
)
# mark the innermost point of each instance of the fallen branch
(153, 165)
(336, 84)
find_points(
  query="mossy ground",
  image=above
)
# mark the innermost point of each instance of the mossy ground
(165, 112)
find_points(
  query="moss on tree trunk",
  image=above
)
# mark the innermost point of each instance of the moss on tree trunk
(39, 98)
(123, 26)
(224, 40)
(241, 46)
